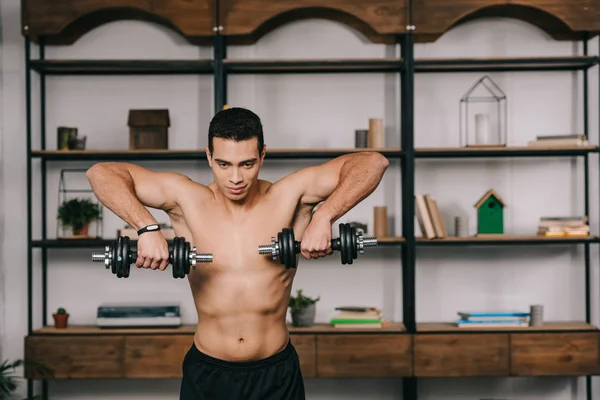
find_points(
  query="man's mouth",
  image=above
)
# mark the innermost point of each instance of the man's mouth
(236, 190)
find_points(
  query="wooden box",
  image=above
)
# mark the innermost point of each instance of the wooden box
(148, 129)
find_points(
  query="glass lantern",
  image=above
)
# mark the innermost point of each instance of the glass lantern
(482, 120)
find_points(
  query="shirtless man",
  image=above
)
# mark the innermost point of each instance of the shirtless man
(241, 347)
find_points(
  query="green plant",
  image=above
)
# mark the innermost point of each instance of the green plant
(301, 302)
(77, 213)
(61, 311)
(9, 382)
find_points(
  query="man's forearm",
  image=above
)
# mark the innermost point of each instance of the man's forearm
(113, 185)
(359, 177)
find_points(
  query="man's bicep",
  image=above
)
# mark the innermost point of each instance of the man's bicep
(318, 182)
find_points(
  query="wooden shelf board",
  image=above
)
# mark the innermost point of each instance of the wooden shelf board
(122, 66)
(313, 65)
(508, 239)
(553, 326)
(394, 327)
(197, 154)
(504, 151)
(504, 64)
(189, 329)
(194, 66)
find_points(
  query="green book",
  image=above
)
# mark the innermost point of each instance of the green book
(355, 321)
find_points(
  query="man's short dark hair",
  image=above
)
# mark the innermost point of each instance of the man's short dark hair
(235, 124)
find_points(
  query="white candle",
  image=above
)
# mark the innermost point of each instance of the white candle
(482, 128)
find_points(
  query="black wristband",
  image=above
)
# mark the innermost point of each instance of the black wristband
(153, 227)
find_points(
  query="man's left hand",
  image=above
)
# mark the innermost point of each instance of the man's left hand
(316, 240)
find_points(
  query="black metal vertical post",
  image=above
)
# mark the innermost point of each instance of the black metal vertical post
(407, 144)
(29, 199)
(586, 205)
(219, 72)
(43, 177)
(408, 203)
(586, 201)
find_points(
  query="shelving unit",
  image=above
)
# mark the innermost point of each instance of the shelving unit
(406, 349)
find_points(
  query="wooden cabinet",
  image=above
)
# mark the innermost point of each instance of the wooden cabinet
(155, 356)
(364, 355)
(306, 347)
(437, 350)
(562, 19)
(461, 354)
(76, 357)
(541, 354)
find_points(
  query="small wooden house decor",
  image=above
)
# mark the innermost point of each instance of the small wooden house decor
(490, 214)
(149, 129)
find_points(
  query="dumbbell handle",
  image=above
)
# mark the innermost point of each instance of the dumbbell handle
(336, 244)
(105, 257)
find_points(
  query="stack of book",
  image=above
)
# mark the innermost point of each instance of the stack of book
(493, 319)
(563, 226)
(429, 217)
(358, 317)
(559, 141)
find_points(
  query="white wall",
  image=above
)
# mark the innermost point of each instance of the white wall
(321, 111)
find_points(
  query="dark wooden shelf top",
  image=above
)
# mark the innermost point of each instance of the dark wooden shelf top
(503, 151)
(351, 65)
(395, 327)
(253, 66)
(290, 153)
(199, 154)
(549, 326)
(556, 63)
(322, 328)
(122, 67)
(506, 239)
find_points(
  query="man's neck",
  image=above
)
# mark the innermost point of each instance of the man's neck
(241, 207)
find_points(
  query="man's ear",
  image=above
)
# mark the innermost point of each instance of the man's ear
(263, 153)
(208, 156)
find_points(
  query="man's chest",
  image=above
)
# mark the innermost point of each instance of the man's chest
(235, 240)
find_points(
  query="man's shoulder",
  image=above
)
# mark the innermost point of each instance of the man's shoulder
(179, 181)
(293, 182)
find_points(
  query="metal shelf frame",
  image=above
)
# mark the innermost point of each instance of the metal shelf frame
(220, 67)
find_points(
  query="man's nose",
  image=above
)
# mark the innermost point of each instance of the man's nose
(235, 177)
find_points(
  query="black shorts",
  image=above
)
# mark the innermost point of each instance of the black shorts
(277, 377)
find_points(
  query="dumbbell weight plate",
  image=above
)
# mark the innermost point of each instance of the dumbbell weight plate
(290, 245)
(291, 261)
(113, 258)
(185, 261)
(345, 241)
(177, 258)
(123, 261)
(185, 258)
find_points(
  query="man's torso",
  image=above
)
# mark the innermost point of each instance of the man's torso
(241, 297)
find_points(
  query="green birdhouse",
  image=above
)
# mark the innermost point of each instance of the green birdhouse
(490, 214)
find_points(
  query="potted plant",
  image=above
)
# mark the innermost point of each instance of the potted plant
(77, 214)
(9, 382)
(61, 318)
(303, 309)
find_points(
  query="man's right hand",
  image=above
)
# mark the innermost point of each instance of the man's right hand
(152, 251)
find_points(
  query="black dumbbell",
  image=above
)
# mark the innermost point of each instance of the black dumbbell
(349, 244)
(119, 256)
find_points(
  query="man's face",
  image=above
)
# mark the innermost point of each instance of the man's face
(235, 166)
